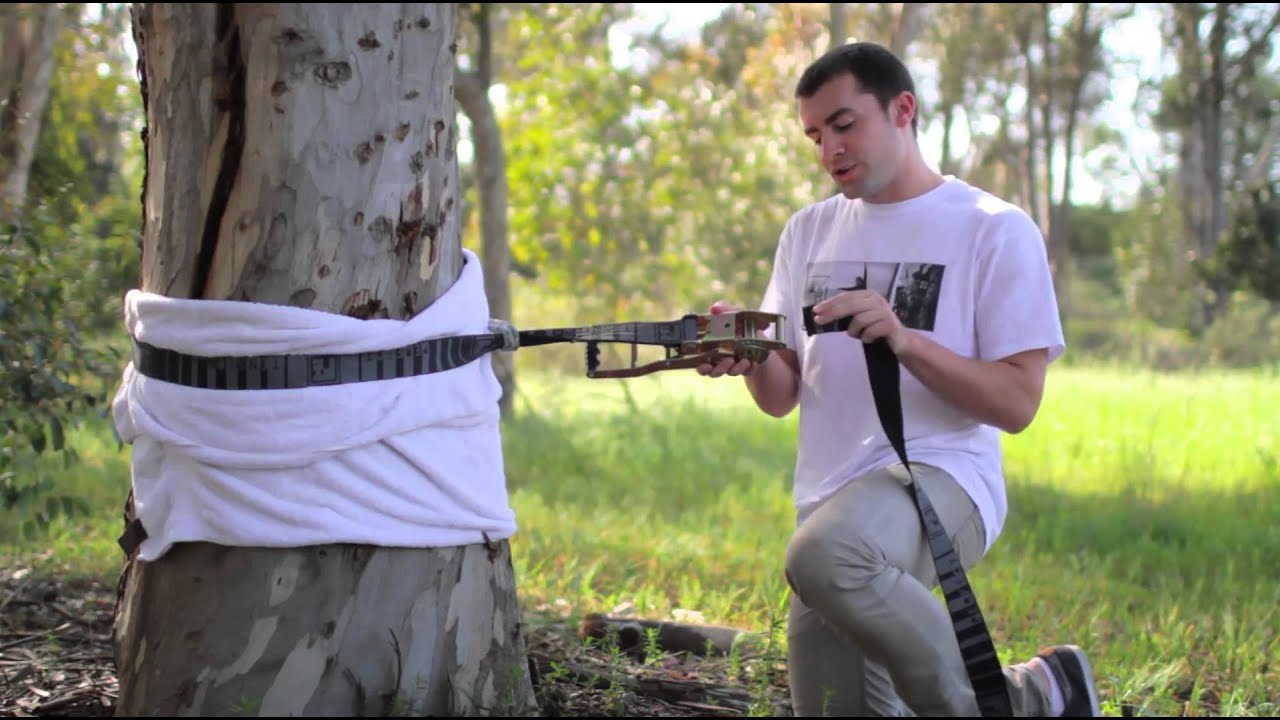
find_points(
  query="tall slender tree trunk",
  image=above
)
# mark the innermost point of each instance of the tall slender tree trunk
(303, 154)
(1031, 156)
(1085, 45)
(28, 32)
(1203, 64)
(472, 91)
(908, 26)
(1212, 123)
(838, 24)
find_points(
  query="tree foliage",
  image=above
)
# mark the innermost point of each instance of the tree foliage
(68, 256)
(51, 373)
(657, 180)
(579, 158)
(1250, 251)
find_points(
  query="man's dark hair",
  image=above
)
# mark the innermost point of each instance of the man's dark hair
(875, 67)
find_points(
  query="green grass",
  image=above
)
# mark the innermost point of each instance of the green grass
(1144, 520)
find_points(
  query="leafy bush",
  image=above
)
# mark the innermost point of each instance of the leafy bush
(51, 371)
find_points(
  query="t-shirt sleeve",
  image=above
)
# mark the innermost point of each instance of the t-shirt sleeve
(1017, 307)
(779, 294)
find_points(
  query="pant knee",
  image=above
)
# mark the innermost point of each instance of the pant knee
(820, 562)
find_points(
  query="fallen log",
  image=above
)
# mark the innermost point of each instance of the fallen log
(632, 636)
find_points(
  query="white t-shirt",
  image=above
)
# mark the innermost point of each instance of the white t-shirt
(960, 265)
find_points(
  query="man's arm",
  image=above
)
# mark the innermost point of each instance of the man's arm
(775, 384)
(1005, 393)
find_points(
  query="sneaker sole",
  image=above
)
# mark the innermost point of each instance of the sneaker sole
(1095, 708)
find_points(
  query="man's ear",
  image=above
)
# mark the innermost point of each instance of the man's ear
(904, 109)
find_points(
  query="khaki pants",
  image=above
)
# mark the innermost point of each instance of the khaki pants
(865, 635)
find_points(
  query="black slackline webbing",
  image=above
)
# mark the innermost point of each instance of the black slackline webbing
(281, 372)
(439, 354)
(976, 647)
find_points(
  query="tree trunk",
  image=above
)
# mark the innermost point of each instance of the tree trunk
(1031, 157)
(839, 24)
(28, 32)
(958, 58)
(910, 19)
(1048, 101)
(1086, 43)
(472, 91)
(1212, 126)
(304, 155)
(1201, 67)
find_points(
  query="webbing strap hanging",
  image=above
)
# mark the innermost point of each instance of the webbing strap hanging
(976, 647)
(979, 653)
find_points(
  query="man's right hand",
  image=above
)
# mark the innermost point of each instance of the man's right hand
(727, 366)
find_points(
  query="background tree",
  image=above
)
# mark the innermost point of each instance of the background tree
(474, 78)
(1217, 104)
(28, 32)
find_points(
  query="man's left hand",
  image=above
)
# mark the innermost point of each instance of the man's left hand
(870, 317)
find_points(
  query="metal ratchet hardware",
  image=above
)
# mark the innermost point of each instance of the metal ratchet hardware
(689, 342)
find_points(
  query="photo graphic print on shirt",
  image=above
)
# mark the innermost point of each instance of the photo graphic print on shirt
(911, 288)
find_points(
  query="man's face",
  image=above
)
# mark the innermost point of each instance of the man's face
(859, 145)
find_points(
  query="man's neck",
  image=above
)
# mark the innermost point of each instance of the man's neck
(915, 180)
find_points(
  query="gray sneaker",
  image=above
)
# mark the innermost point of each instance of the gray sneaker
(1071, 670)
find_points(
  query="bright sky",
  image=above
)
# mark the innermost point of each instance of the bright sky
(1141, 49)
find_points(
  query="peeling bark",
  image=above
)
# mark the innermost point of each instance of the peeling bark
(304, 155)
(300, 154)
(335, 630)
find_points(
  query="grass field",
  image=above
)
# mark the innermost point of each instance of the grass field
(1144, 521)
